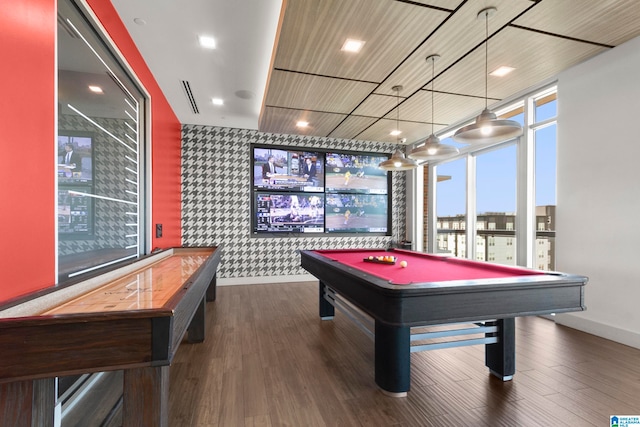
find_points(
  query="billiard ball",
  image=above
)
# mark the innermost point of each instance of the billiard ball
(403, 264)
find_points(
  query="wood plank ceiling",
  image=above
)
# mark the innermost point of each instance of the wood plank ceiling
(347, 95)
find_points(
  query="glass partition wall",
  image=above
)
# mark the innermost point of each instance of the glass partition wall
(100, 151)
(100, 184)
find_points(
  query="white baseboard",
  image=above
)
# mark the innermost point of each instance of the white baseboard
(264, 280)
(603, 330)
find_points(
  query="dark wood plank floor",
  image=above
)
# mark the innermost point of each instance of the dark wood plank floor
(268, 360)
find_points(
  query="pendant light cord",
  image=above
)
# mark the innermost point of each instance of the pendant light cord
(486, 59)
(433, 67)
(398, 114)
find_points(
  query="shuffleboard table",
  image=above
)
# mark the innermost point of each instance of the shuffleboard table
(435, 290)
(132, 319)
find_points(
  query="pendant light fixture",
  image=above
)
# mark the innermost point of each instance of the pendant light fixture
(432, 148)
(487, 127)
(398, 162)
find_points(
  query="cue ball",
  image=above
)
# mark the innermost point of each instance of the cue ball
(403, 264)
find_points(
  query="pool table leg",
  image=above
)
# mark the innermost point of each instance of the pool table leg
(500, 357)
(392, 358)
(327, 311)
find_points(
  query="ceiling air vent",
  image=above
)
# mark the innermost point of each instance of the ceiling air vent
(192, 101)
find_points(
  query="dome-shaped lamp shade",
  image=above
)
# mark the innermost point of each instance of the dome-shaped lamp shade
(433, 150)
(398, 162)
(488, 129)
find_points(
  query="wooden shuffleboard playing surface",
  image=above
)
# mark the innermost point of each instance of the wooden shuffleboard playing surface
(132, 318)
(148, 288)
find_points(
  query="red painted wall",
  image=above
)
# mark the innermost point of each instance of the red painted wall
(27, 146)
(27, 135)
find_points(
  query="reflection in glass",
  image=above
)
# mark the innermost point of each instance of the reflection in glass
(451, 209)
(99, 187)
(98, 156)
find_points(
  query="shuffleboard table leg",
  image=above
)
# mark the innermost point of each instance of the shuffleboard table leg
(327, 311)
(44, 399)
(211, 290)
(393, 358)
(28, 403)
(146, 397)
(500, 357)
(196, 329)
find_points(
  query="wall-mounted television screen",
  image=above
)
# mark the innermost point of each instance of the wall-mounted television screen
(288, 212)
(356, 213)
(75, 158)
(75, 213)
(275, 168)
(355, 173)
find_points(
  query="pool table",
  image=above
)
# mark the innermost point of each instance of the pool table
(435, 290)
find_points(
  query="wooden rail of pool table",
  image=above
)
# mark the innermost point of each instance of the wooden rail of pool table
(102, 330)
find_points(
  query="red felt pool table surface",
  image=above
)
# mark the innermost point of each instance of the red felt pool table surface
(421, 267)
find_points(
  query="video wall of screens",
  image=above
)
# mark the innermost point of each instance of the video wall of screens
(75, 179)
(306, 191)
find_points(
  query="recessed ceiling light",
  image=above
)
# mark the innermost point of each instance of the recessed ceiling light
(207, 42)
(95, 89)
(501, 71)
(139, 21)
(302, 124)
(351, 45)
(217, 101)
(395, 132)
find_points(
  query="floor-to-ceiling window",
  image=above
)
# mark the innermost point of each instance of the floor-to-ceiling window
(100, 151)
(544, 138)
(508, 190)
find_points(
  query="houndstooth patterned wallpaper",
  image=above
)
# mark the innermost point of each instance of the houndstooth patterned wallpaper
(216, 201)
